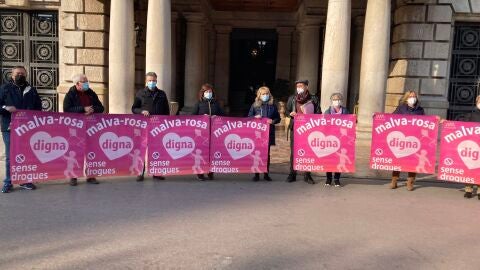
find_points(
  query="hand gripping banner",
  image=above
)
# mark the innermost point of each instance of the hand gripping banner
(404, 143)
(239, 145)
(46, 146)
(324, 143)
(178, 145)
(116, 144)
(460, 152)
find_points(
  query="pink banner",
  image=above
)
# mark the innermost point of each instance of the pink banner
(178, 145)
(324, 143)
(116, 144)
(404, 143)
(460, 152)
(239, 145)
(46, 146)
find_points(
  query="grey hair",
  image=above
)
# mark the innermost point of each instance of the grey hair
(151, 73)
(78, 77)
(336, 94)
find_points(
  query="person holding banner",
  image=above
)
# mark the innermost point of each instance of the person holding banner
(474, 117)
(80, 98)
(264, 106)
(15, 95)
(207, 105)
(150, 101)
(409, 105)
(335, 108)
(300, 103)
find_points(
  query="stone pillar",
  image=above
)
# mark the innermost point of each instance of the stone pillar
(159, 43)
(284, 53)
(121, 57)
(193, 59)
(336, 54)
(308, 54)
(173, 81)
(356, 62)
(222, 62)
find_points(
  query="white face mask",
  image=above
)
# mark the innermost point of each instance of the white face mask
(411, 101)
(300, 90)
(208, 95)
(336, 103)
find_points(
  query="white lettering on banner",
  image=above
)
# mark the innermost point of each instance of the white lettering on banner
(115, 147)
(401, 145)
(323, 145)
(176, 146)
(238, 147)
(323, 122)
(47, 148)
(39, 121)
(105, 123)
(167, 124)
(462, 132)
(239, 124)
(391, 123)
(469, 152)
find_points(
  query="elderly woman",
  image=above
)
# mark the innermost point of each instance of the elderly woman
(336, 107)
(264, 107)
(409, 105)
(474, 117)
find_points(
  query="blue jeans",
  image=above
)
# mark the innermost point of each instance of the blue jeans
(6, 141)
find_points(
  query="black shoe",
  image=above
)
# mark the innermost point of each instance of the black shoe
(210, 176)
(28, 186)
(93, 181)
(140, 178)
(158, 177)
(467, 195)
(478, 196)
(308, 178)
(328, 182)
(267, 177)
(7, 188)
(200, 177)
(337, 183)
(256, 177)
(292, 177)
(73, 182)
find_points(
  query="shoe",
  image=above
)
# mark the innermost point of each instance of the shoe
(308, 178)
(267, 177)
(393, 184)
(337, 183)
(7, 188)
(478, 196)
(210, 176)
(140, 178)
(200, 177)
(292, 177)
(467, 195)
(93, 181)
(328, 182)
(410, 181)
(158, 177)
(28, 186)
(73, 182)
(256, 177)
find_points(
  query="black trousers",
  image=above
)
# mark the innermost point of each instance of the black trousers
(336, 176)
(292, 171)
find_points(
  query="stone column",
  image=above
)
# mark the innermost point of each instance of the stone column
(222, 62)
(356, 60)
(375, 58)
(193, 59)
(159, 43)
(173, 82)
(284, 53)
(121, 57)
(336, 53)
(308, 54)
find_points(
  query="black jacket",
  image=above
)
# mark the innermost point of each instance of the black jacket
(269, 111)
(292, 108)
(24, 98)
(475, 116)
(72, 104)
(210, 107)
(330, 110)
(405, 109)
(155, 102)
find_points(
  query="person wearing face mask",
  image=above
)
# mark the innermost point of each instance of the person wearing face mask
(80, 98)
(409, 105)
(150, 101)
(264, 107)
(16, 94)
(207, 105)
(336, 108)
(302, 102)
(474, 117)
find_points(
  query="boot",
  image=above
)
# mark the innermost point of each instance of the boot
(292, 177)
(393, 184)
(73, 182)
(410, 181)
(468, 195)
(308, 178)
(267, 177)
(256, 177)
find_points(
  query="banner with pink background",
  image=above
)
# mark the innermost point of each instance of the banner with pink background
(239, 145)
(324, 143)
(404, 143)
(178, 145)
(116, 144)
(46, 146)
(460, 152)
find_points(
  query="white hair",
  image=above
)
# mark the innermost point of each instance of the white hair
(78, 77)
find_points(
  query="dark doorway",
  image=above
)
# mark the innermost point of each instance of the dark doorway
(253, 55)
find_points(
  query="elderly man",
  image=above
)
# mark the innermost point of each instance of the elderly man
(81, 99)
(17, 94)
(150, 101)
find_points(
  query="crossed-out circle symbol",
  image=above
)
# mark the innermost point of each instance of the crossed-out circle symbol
(155, 155)
(301, 152)
(91, 155)
(20, 158)
(448, 161)
(378, 152)
(217, 155)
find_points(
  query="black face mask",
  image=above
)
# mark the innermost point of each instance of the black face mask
(20, 80)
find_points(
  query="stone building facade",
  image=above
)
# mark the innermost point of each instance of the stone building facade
(370, 50)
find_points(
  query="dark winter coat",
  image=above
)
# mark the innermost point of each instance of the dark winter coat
(155, 102)
(207, 106)
(269, 111)
(405, 109)
(475, 116)
(72, 104)
(330, 110)
(23, 98)
(292, 108)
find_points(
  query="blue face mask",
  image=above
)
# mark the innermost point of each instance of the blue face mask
(265, 98)
(208, 95)
(151, 85)
(85, 86)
